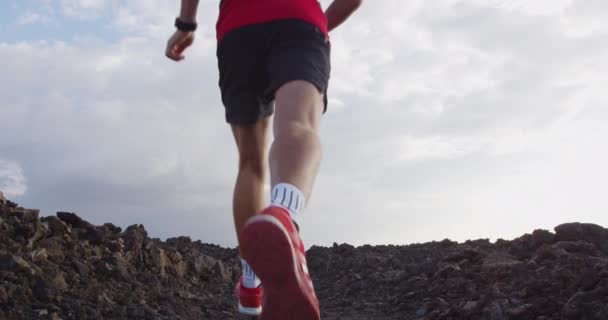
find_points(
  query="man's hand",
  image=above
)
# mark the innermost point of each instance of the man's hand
(177, 44)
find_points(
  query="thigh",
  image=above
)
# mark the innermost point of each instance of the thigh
(242, 56)
(299, 52)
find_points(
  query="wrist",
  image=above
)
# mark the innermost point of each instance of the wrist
(185, 26)
(187, 19)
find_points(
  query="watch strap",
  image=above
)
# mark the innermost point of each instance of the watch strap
(185, 26)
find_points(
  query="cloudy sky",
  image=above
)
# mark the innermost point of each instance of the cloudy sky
(448, 119)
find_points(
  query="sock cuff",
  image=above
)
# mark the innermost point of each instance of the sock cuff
(288, 196)
(246, 269)
(250, 279)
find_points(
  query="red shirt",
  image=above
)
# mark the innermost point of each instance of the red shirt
(238, 13)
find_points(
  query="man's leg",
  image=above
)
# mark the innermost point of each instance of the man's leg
(295, 154)
(298, 68)
(248, 198)
(271, 242)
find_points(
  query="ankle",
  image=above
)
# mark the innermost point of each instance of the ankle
(250, 279)
(290, 198)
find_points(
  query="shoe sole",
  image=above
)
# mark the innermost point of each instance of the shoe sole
(268, 249)
(248, 311)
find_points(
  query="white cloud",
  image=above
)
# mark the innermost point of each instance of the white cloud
(446, 119)
(84, 9)
(29, 18)
(540, 7)
(12, 180)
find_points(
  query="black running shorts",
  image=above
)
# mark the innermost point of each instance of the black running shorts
(256, 60)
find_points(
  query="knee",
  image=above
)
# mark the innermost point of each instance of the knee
(294, 129)
(252, 164)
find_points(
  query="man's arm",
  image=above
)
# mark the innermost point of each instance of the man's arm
(188, 11)
(339, 10)
(182, 39)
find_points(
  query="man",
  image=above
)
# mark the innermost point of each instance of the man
(272, 54)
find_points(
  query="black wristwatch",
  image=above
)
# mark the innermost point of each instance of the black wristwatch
(185, 26)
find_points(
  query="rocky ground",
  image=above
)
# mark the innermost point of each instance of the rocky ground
(62, 267)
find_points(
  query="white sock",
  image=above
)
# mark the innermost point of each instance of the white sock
(289, 197)
(250, 280)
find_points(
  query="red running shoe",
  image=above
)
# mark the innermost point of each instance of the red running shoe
(272, 246)
(250, 299)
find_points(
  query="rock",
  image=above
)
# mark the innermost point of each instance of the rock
(59, 283)
(14, 264)
(540, 237)
(39, 255)
(66, 268)
(190, 296)
(57, 226)
(467, 254)
(221, 271)
(470, 306)
(521, 312)
(122, 265)
(7, 263)
(55, 316)
(591, 304)
(160, 261)
(73, 220)
(22, 265)
(448, 270)
(549, 252)
(80, 268)
(498, 261)
(588, 232)
(494, 311)
(588, 278)
(93, 235)
(25, 215)
(2, 198)
(203, 263)
(392, 276)
(103, 269)
(135, 236)
(577, 247)
(422, 311)
(180, 268)
(109, 227)
(40, 231)
(573, 308)
(165, 261)
(116, 245)
(208, 262)
(579, 231)
(3, 295)
(54, 248)
(43, 291)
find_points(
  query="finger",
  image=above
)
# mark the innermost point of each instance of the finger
(178, 53)
(177, 56)
(180, 49)
(173, 55)
(168, 52)
(185, 43)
